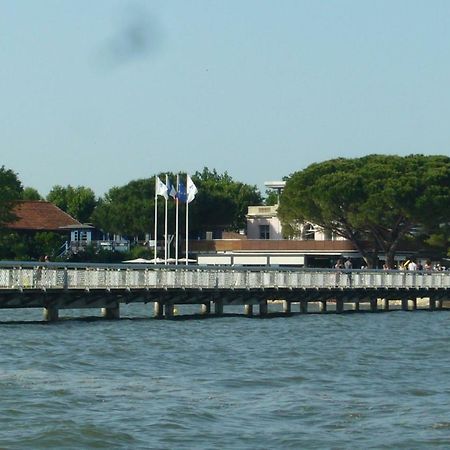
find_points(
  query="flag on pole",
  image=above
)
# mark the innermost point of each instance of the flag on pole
(172, 190)
(191, 190)
(182, 194)
(161, 188)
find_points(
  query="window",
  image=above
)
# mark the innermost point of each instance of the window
(264, 232)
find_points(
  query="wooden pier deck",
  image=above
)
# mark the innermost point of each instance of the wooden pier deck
(55, 286)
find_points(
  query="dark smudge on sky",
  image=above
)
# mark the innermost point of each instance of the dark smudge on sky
(137, 37)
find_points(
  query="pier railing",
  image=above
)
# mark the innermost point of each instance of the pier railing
(53, 276)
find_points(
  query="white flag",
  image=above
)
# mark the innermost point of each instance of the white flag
(161, 188)
(191, 190)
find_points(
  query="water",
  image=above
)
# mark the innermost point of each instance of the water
(311, 381)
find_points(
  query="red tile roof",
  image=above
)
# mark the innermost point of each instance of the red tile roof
(40, 216)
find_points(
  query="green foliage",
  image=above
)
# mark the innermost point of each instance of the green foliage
(438, 238)
(30, 193)
(221, 202)
(94, 254)
(271, 198)
(21, 246)
(375, 201)
(10, 191)
(79, 201)
(128, 210)
(13, 246)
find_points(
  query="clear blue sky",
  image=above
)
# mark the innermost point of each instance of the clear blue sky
(98, 93)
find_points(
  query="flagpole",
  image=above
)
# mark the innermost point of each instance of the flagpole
(156, 221)
(187, 226)
(176, 220)
(165, 226)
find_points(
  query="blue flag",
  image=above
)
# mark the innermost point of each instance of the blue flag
(182, 194)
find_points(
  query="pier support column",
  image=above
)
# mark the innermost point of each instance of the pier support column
(303, 306)
(111, 312)
(323, 306)
(339, 306)
(356, 306)
(440, 304)
(169, 310)
(248, 310)
(218, 307)
(385, 304)
(286, 307)
(263, 309)
(51, 313)
(405, 304)
(205, 308)
(432, 304)
(414, 304)
(158, 309)
(373, 304)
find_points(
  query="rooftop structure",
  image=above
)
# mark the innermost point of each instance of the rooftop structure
(40, 216)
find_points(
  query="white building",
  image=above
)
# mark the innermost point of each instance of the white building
(264, 243)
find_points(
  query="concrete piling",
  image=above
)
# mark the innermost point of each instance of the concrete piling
(205, 308)
(286, 307)
(248, 310)
(432, 304)
(111, 312)
(169, 310)
(51, 313)
(263, 309)
(373, 304)
(218, 307)
(303, 306)
(158, 310)
(405, 306)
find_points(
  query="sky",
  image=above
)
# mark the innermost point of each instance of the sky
(99, 93)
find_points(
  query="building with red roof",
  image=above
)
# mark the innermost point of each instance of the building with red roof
(36, 215)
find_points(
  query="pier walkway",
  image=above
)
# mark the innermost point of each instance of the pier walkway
(55, 286)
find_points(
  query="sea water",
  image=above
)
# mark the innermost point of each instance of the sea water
(322, 381)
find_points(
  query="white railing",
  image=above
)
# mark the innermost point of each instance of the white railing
(77, 276)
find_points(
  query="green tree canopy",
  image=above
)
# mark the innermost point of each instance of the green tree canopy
(10, 192)
(221, 202)
(127, 210)
(79, 201)
(374, 201)
(30, 193)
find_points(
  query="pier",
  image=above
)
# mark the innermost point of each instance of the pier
(58, 286)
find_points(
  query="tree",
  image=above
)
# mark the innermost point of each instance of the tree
(79, 202)
(221, 202)
(374, 201)
(10, 192)
(30, 193)
(127, 210)
(271, 198)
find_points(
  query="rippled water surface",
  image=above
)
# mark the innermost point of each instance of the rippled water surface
(306, 381)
